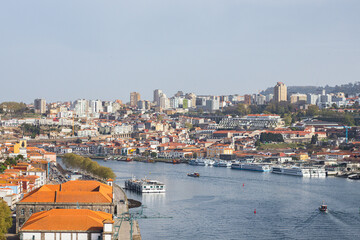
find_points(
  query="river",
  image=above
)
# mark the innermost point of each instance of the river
(221, 203)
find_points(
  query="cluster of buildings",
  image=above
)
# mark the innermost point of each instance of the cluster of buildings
(30, 172)
(78, 210)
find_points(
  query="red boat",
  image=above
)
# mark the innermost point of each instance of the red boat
(195, 174)
(323, 208)
(175, 161)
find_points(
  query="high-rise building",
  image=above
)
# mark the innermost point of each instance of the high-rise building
(81, 107)
(157, 95)
(247, 99)
(134, 98)
(280, 92)
(96, 106)
(40, 106)
(164, 102)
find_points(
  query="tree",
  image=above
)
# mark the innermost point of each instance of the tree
(312, 110)
(287, 119)
(314, 139)
(242, 109)
(153, 154)
(5, 219)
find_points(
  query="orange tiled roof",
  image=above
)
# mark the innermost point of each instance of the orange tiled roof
(67, 219)
(72, 191)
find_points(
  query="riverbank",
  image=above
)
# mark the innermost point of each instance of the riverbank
(121, 202)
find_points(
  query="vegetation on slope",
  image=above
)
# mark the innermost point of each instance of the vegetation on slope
(86, 164)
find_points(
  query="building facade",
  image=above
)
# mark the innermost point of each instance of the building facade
(280, 92)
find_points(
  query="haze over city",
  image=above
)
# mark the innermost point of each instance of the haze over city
(105, 49)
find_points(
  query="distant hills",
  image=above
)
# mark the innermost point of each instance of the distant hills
(349, 89)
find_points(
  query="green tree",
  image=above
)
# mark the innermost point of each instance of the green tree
(287, 119)
(5, 219)
(242, 109)
(314, 139)
(153, 154)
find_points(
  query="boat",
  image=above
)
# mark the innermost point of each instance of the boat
(175, 161)
(145, 185)
(293, 171)
(195, 174)
(197, 162)
(220, 163)
(251, 167)
(323, 208)
(354, 177)
(209, 162)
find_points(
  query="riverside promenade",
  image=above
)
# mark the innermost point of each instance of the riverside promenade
(122, 206)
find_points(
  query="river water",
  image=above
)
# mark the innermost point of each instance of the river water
(221, 203)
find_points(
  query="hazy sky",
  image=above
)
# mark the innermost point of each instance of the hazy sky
(104, 49)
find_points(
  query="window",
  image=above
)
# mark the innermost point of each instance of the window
(31, 211)
(22, 211)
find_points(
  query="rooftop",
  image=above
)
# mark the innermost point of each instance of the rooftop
(67, 220)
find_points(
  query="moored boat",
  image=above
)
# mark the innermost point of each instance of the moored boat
(145, 185)
(251, 167)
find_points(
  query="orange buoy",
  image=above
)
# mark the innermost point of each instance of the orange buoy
(255, 211)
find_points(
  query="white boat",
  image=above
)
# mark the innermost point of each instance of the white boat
(251, 167)
(209, 162)
(293, 171)
(317, 172)
(197, 162)
(145, 185)
(220, 163)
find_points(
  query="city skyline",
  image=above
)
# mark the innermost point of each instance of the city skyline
(72, 50)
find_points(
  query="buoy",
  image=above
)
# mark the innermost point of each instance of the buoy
(255, 211)
(243, 184)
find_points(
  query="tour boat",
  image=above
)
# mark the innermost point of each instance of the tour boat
(145, 185)
(251, 167)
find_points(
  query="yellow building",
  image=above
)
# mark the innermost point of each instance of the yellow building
(216, 150)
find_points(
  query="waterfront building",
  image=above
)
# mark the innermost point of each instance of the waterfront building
(75, 224)
(280, 92)
(82, 194)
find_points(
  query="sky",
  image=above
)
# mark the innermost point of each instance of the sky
(105, 49)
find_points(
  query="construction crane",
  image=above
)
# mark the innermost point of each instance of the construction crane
(131, 217)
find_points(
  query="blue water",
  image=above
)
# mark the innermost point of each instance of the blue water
(218, 206)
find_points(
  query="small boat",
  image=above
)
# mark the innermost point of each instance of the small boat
(354, 177)
(323, 208)
(175, 161)
(195, 174)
